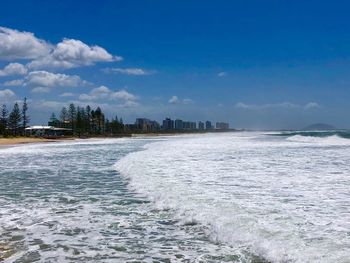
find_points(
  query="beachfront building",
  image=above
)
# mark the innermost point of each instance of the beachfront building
(200, 125)
(47, 131)
(189, 125)
(168, 124)
(179, 125)
(208, 125)
(146, 125)
(222, 126)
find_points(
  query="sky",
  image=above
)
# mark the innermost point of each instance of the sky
(255, 64)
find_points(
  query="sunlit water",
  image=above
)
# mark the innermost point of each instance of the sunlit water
(242, 197)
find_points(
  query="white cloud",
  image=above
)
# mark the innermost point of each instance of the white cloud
(67, 94)
(48, 79)
(123, 95)
(101, 92)
(13, 69)
(72, 53)
(104, 93)
(15, 82)
(68, 53)
(311, 105)
(175, 100)
(222, 74)
(21, 45)
(129, 71)
(6, 95)
(40, 90)
(283, 105)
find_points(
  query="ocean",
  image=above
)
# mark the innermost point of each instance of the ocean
(220, 197)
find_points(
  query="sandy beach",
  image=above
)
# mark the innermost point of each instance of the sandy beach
(7, 142)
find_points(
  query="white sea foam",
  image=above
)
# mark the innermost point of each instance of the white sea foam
(263, 195)
(64, 202)
(284, 200)
(328, 140)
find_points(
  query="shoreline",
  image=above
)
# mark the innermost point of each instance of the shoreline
(17, 141)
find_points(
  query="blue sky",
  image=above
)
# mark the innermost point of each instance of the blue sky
(256, 64)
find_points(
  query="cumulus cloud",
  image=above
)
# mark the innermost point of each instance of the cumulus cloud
(129, 71)
(311, 105)
(40, 90)
(6, 95)
(283, 105)
(21, 45)
(72, 53)
(13, 69)
(104, 93)
(175, 100)
(68, 53)
(49, 79)
(15, 82)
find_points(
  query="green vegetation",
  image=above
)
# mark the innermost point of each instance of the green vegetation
(15, 122)
(87, 122)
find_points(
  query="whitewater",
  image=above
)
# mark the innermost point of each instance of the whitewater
(228, 197)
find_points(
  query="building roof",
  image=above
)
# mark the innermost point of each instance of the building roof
(41, 127)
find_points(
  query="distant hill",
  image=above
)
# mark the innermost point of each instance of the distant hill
(319, 127)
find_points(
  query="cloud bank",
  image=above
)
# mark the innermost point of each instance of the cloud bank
(282, 105)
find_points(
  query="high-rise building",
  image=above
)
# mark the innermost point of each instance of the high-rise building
(168, 124)
(193, 125)
(222, 126)
(189, 125)
(200, 125)
(179, 124)
(146, 125)
(208, 125)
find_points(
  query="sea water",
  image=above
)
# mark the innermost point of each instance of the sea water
(230, 197)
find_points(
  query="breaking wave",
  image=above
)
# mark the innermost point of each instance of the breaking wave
(277, 200)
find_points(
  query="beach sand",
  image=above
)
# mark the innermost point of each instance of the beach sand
(8, 142)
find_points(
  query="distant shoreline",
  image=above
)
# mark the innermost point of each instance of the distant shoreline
(16, 141)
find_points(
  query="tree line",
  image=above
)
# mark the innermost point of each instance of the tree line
(85, 121)
(14, 123)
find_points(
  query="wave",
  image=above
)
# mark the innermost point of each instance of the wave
(321, 134)
(329, 140)
(316, 137)
(234, 189)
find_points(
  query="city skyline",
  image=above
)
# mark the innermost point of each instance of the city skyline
(231, 61)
